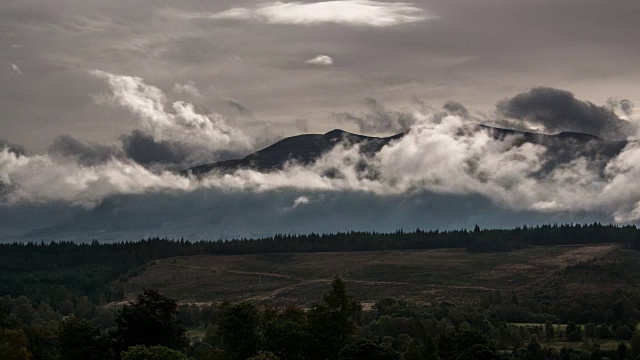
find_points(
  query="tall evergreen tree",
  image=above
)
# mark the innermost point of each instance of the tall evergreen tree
(331, 322)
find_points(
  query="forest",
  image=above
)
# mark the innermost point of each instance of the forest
(64, 301)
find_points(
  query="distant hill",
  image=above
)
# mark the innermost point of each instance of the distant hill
(305, 149)
(301, 148)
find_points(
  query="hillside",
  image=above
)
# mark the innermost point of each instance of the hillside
(423, 276)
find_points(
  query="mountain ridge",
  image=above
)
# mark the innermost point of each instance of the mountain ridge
(306, 148)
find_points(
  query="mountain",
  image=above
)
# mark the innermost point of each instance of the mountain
(301, 148)
(217, 213)
(305, 149)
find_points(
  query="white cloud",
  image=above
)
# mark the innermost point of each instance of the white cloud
(188, 88)
(320, 60)
(16, 69)
(302, 200)
(44, 178)
(344, 12)
(178, 121)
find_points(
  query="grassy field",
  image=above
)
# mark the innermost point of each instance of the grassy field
(196, 332)
(301, 279)
(604, 344)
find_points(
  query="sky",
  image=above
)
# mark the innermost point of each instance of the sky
(100, 103)
(283, 64)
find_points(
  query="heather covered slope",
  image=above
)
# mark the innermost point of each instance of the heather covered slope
(423, 276)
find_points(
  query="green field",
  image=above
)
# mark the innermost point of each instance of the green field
(196, 332)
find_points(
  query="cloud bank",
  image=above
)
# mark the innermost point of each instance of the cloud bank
(344, 12)
(558, 110)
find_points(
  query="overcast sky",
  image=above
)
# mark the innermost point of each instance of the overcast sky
(101, 101)
(294, 65)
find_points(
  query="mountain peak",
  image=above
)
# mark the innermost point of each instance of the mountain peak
(336, 132)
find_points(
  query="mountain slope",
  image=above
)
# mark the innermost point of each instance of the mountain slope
(301, 148)
(305, 149)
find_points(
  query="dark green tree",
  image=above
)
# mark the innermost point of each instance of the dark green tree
(364, 349)
(573, 332)
(264, 356)
(150, 320)
(331, 322)
(623, 333)
(549, 331)
(622, 351)
(43, 344)
(480, 352)
(534, 346)
(140, 352)
(635, 344)
(13, 345)
(207, 352)
(79, 339)
(604, 331)
(238, 329)
(463, 343)
(285, 333)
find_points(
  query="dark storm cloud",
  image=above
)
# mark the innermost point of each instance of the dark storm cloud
(377, 119)
(146, 150)
(558, 110)
(86, 153)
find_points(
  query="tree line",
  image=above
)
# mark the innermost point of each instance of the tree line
(61, 273)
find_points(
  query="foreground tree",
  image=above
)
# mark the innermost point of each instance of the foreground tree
(79, 339)
(266, 356)
(635, 344)
(466, 344)
(331, 322)
(13, 345)
(43, 344)
(150, 321)
(140, 352)
(364, 349)
(238, 329)
(285, 333)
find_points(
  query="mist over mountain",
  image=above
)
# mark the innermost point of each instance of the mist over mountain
(303, 149)
(212, 212)
(308, 148)
(183, 170)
